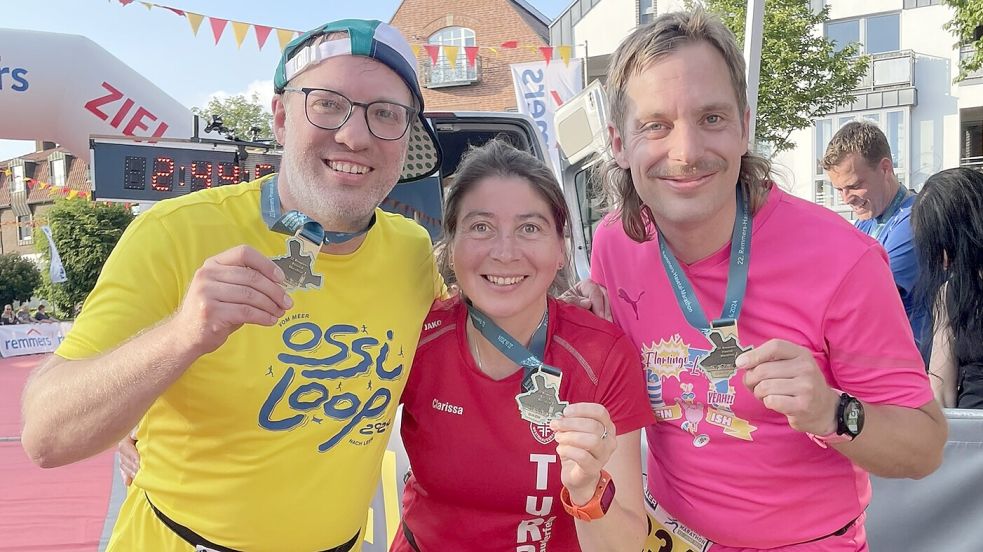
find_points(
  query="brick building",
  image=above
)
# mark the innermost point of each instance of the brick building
(486, 86)
(23, 200)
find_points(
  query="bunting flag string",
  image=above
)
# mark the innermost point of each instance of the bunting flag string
(449, 52)
(53, 190)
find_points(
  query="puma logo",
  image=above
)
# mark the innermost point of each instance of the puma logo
(633, 302)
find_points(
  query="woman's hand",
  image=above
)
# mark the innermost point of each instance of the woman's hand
(586, 439)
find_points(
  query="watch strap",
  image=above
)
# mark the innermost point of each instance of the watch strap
(598, 504)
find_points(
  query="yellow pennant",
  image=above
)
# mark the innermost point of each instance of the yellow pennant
(564, 52)
(72, 194)
(195, 20)
(240, 30)
(416, 50)
(284, 36)
(148, 5)
(450, 52)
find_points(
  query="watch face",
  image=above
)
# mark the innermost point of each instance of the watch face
(853, 416)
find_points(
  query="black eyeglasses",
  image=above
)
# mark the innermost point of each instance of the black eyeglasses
(330, 110)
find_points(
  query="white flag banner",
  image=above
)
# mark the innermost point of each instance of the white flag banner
(540, 88)
(57, 271)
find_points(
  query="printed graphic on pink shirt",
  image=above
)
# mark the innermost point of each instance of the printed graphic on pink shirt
(674, 358)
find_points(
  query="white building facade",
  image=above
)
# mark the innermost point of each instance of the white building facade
(931, 122)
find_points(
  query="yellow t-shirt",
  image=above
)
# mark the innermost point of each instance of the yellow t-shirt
(273, 442)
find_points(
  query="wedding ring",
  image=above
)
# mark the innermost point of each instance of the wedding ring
(605, 434)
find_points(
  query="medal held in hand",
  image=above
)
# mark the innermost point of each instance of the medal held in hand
(298, 266)
(720, 364)
(307, 237)
(542, 402)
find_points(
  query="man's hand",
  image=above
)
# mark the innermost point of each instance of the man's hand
(129, 458)
(786, 378)
(589, 294)
(238, 286)
(586, 439)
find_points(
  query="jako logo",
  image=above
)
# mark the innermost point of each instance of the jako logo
(12, 78)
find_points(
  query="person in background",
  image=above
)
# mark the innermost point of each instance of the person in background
(8, 318)
(948, 222)
(858, 163)
(24, 315)
(42, 316)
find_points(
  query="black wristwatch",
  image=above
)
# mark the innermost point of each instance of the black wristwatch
(849, 416)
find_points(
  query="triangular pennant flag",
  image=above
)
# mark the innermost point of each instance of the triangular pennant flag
(284, 36)
(471, 52)
(564, 52)
(125, 2)
(416, 50)
(148, 5)
(510, 44)
(30, 182)
(175, 10)
(195, 20)
(262, 32)
(72, 194)
(218, 27)
(84, 195)
(43, 185)
(547, 52)
(240, 30)
(493, 50)
(450, 52)
(7, 172)
(433, 50)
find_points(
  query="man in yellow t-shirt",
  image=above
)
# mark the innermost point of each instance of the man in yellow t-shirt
(263, 413)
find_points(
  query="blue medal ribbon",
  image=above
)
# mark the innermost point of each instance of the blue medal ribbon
(892, 209)
(528, 359)
(740, 252)
(295, 223)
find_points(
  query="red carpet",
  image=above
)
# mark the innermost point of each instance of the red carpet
(55, 510)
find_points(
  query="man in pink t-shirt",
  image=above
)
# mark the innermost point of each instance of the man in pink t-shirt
(779, 360)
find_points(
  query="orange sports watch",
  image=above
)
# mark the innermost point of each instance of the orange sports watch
(598, 504)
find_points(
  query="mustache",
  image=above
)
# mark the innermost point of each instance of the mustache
(702, 166)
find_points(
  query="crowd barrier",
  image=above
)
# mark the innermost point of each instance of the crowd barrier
(940, 512)
(32, 339)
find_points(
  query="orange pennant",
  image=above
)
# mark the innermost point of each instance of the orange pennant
(218, 27)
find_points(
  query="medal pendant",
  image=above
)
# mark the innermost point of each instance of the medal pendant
(542, 402)
(298, 265)
(720, 364)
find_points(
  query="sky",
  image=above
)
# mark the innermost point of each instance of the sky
(192, 69)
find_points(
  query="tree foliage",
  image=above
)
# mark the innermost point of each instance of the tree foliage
(85, 232)
(803, 77)
(239, 115)
(18, 279)
(967, 26)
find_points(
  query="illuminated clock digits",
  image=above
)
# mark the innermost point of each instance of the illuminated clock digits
(163, 178)
(263, 169)
(228, 173)
(201, 175)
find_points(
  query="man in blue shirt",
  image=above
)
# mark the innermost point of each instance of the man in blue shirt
(858, 163)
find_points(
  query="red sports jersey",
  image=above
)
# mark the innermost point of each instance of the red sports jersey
(484, 478)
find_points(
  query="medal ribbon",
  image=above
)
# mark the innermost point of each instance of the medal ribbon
(892, 209)
(295, 223)
(528, 359)
(740, 252)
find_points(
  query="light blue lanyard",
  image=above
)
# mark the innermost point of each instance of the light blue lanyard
(529, 360)
(292, 221)
(892, 209)
(740, 252)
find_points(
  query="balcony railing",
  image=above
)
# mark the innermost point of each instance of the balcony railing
(889, 69)
(444, 74)
(972, 162)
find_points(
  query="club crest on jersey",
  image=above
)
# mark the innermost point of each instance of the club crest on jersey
(542, 433)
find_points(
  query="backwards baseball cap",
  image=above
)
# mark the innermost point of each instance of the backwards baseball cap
(383, 43)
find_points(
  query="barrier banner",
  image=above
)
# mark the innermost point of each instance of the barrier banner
(540, 88)
(31, 339)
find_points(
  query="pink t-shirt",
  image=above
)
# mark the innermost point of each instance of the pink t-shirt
(721, 462)
(483, 478)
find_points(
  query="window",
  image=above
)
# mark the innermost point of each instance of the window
(875, 34)
(894, 123)
(908, 4)
(58, 176)
(18, 183)
(443, 72)
(647, 11)
(25, 232)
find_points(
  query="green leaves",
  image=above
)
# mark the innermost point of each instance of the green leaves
(239, 115)
(18, 279)
(85, 232)
(968, 17)
(802, 78)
